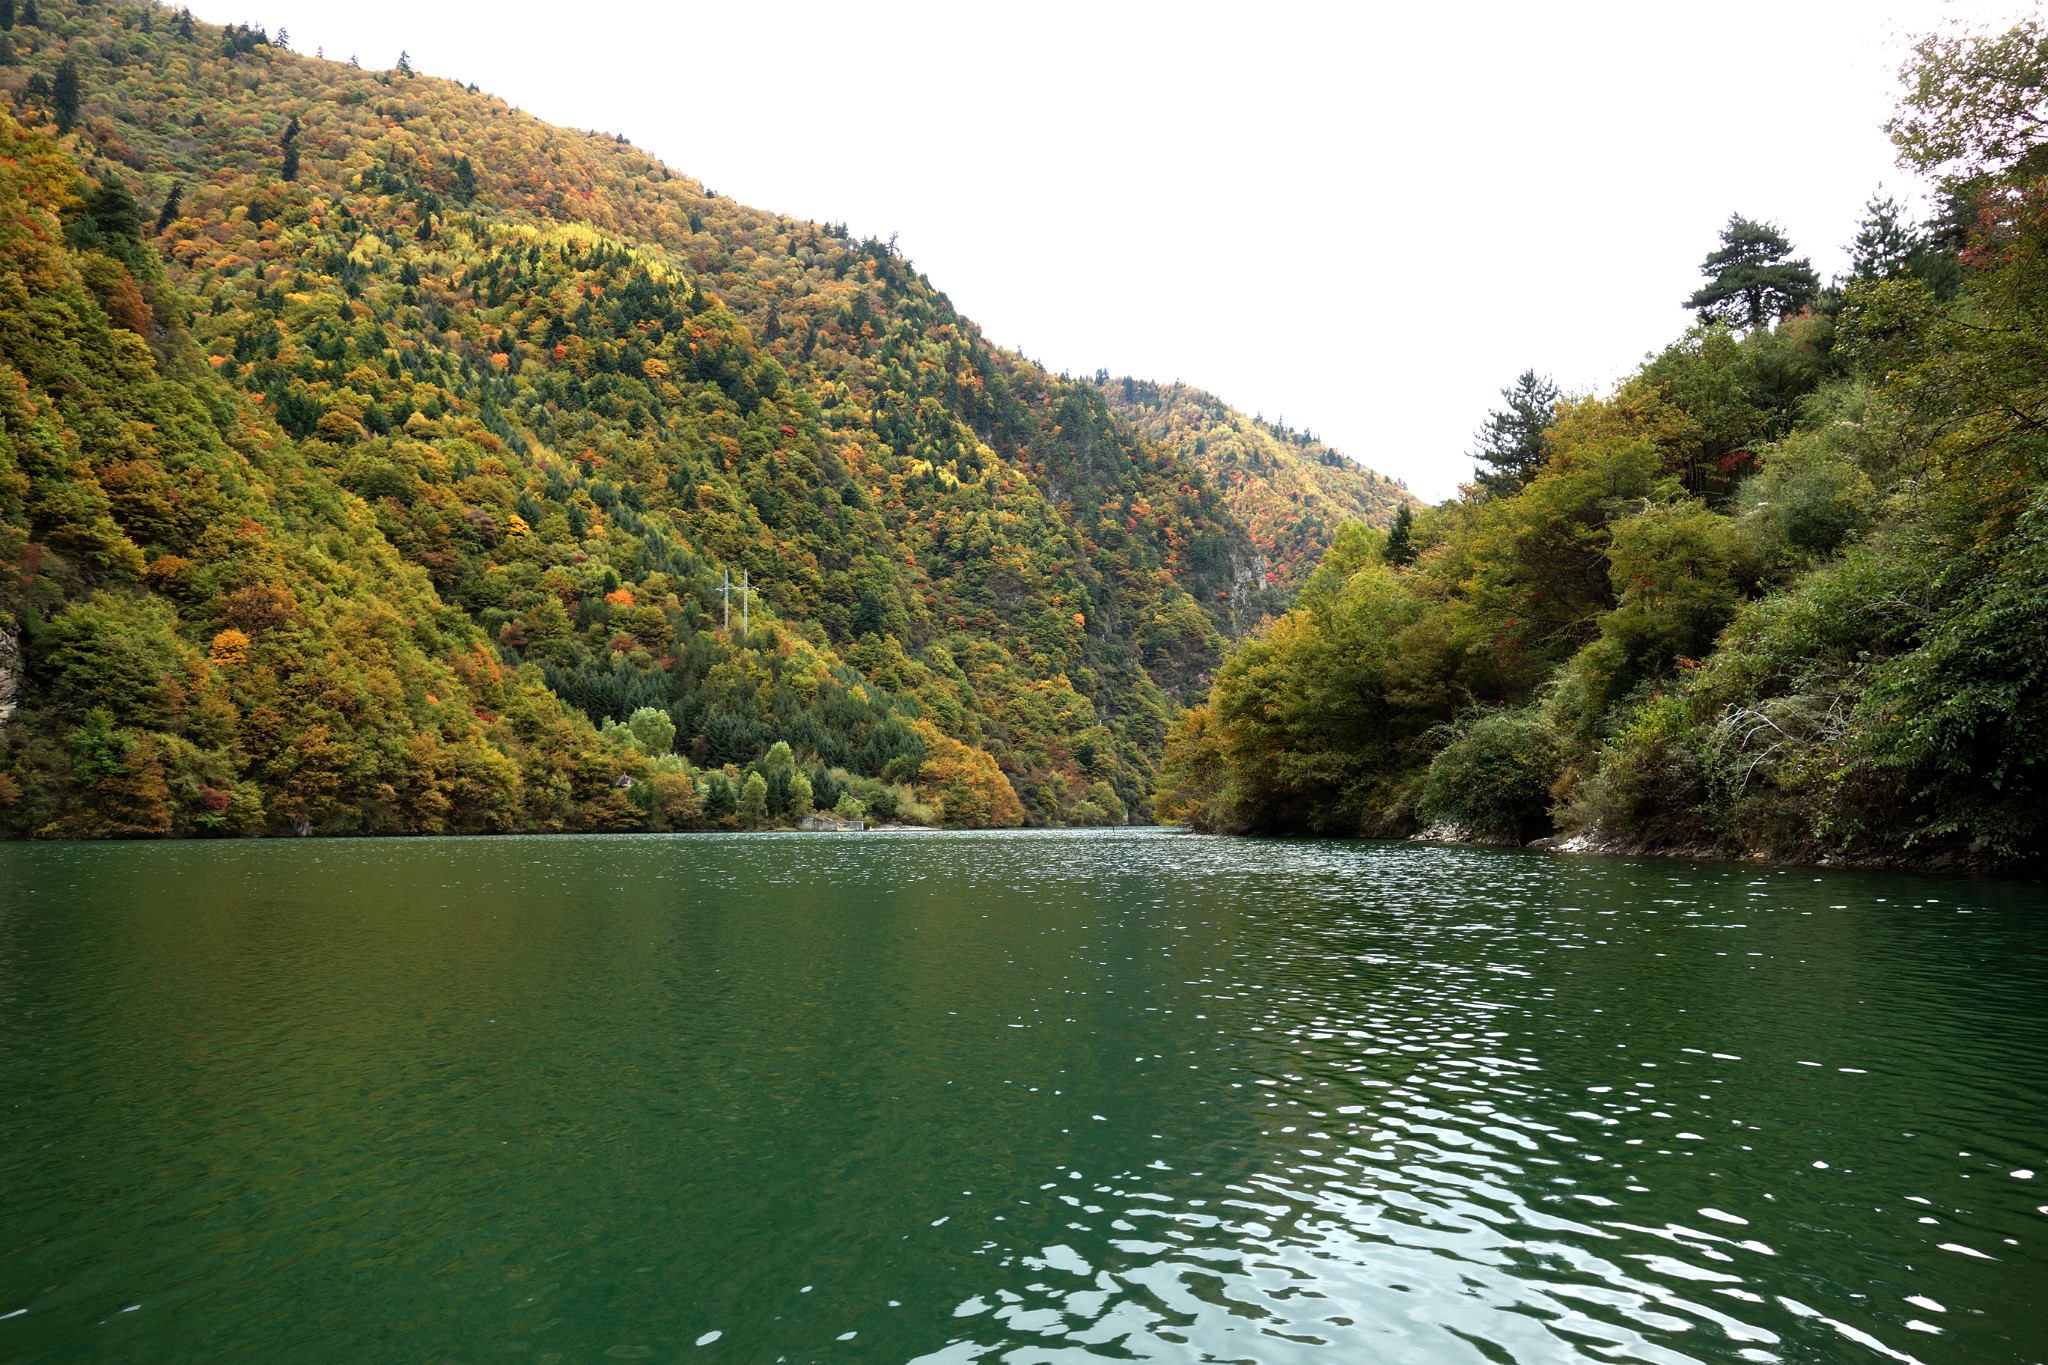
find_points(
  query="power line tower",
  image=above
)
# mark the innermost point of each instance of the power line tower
(725, 591)
(745, 591)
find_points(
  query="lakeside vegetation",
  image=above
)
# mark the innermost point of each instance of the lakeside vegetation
(1783, 592)
(373, 457)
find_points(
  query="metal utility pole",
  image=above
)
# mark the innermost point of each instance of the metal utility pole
(725, 591)
(744, 590)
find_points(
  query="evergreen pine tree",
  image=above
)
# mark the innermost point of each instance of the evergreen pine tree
(6, 16)
(1949, 230)
(29, 15)
(1943, 240)
(65, 95)
(1400, 547)
(114, 215)
(404, 64)
(290, 170)
(1886, 242)
(184, 22)
(169, 213)
(1512, 439)
(1753, 278)
(465, 181)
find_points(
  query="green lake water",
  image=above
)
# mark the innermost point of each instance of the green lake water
(1037, 1097)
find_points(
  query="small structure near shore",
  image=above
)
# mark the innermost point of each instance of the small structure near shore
(828, 824)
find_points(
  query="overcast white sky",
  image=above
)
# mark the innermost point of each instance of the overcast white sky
(1365, 218)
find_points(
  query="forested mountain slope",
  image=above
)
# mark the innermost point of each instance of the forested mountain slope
(201, 630)
(1783, 592)
(560, 393)
(1291, 491)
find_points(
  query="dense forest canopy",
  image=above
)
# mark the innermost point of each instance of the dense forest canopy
(374, 457)
(1784, 591)
(1290, 490)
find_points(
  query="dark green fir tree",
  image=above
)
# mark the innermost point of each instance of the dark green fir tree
(1400, 548)
(1511, 442)
(64, 96)
(1886, 242)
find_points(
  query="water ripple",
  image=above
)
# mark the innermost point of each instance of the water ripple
(1028, 1097)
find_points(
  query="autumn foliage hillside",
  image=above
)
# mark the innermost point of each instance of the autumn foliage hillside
(1291, 491)
(203, 632)
(565, 393)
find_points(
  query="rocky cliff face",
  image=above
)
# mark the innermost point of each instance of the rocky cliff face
(10, 673)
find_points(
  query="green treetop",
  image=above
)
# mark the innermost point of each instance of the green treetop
(653, 731)
(1977, 105)
(1400, 546)
(65, 99)
(1886, 242)
(1512, 439)
(754, 799)
(1753, 278)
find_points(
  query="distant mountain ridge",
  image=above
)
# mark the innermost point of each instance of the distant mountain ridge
(1290, 491)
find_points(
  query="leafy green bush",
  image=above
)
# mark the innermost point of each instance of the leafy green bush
(1951, 737)
(1650, 782)
(1493, 781)
(1807, 502)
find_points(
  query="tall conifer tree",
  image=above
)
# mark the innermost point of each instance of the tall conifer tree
(1401, 537)
(1512, 439)
(1752, 277)
(1886, 242)
(65, 96)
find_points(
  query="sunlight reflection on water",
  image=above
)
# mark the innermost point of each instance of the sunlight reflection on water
(1027, 1097)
